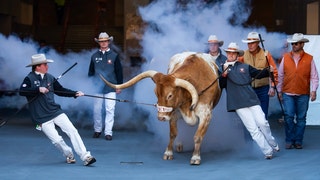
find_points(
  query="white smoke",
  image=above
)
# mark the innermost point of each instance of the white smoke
(174, 28)
(16, 53)
(12, 58)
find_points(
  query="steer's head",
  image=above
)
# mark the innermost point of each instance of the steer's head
(169, 91)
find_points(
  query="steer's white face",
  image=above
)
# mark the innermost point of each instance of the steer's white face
(166, 95)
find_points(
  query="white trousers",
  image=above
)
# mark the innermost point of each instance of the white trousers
(109, 106)
(254, 120)
(67, 127)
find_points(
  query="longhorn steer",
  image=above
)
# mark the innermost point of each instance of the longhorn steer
(187, 89)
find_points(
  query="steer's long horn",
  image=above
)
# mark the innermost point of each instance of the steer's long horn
(192, 90)
(132, 81)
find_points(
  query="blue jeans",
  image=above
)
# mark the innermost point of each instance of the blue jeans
(295, 113)
(262, 93)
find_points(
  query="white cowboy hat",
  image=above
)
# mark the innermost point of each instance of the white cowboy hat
(214, 39)
(252, 37)
(233, 47)
(297, 37)
(39, 59)
(103, 37)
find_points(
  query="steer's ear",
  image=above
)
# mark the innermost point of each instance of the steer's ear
(156, 77)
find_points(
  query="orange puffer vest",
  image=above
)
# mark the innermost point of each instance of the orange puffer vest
(296, 79)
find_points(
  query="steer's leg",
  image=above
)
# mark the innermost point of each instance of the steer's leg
(168, 154)
(204, 121)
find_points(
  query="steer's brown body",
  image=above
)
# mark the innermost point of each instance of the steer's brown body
(187, 89)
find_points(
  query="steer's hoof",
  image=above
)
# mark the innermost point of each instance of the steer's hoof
(179, 147)
(195, 161)
(167, 157)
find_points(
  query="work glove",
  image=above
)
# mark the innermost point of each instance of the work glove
(225, 66)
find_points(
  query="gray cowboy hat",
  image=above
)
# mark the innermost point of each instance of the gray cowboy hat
(297, 37)
(214, 39)
(103, 37)
(39, 59)
(252, 37)
(233, 47)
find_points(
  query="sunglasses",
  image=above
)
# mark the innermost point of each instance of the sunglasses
(295, 43)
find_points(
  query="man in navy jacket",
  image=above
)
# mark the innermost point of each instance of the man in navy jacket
(107, 63)
(39, 88)
(242, 99)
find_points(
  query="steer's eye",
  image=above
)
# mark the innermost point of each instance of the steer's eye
(169, 96)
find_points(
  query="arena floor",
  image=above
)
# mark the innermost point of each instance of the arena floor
(27, 154)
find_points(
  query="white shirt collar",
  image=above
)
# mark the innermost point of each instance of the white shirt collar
(105, 50)
(41, 74)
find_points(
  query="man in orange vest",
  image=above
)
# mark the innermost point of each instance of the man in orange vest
(297, 83)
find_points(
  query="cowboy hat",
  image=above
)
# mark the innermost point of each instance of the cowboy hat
(39, 59)
(233, 47)
(252, 37)
(103, 37)
(297, 37)
(214, 39)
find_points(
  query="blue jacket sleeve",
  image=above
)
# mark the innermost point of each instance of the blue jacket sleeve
(118, 70)
(61, 91)
(91, 71)
(258, 74)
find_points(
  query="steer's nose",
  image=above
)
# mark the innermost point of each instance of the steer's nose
(161, 118)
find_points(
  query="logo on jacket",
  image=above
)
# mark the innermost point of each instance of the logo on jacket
(109, 61)
(37, 83)
(242, 70)
(98, 59)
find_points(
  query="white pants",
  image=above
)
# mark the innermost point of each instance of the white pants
(254, 120)
(109, 106)
(67, 127)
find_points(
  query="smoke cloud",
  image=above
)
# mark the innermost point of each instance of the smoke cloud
(15, 54)
(172, 28)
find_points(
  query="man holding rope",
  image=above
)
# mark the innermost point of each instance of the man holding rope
(242, 99)
(39, 88)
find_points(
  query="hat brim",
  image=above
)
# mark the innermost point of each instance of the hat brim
(106, 39)
(40, 62)
(216, 42)
(294, 41)
(241, 52)
(250, 41)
